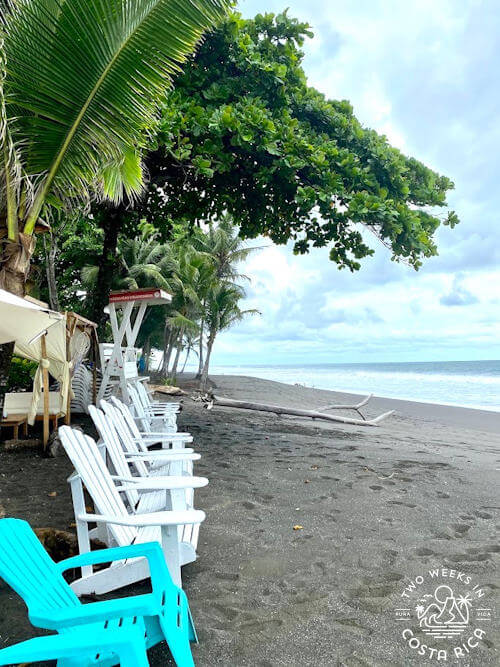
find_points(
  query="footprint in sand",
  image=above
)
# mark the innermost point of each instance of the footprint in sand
(468, 558)
(423, 551)
(460, 529)
(248, 505)
(400, 502)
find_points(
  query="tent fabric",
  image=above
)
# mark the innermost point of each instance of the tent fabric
(22, 320)
(58, 365)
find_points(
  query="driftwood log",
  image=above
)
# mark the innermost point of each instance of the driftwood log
(295, 412)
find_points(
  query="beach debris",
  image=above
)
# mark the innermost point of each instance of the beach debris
(307, 481)
(170, 390)
(314, 467)
(298, 527)
(295, 412)
(52, 494)
(27, 443)
(61, 544)
(2, 511)
(356, 407)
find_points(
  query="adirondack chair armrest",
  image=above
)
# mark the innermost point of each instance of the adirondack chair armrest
(165, 518)
(173, 455)
(159, 573)
(159, 405)
(156, 436)
(158, 409)
(167, 483)
(149, 550)
(93, 612)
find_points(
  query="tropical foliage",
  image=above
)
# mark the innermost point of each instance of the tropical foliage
(241, 142)
(80, 84)
(200, 270)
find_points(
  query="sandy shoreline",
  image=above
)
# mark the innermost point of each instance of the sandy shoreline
(378, 507)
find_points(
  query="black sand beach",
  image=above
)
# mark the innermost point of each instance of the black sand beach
(377, 507)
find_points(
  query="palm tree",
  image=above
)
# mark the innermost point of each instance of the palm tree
(188, 271)
(79, 85)
(140, 263)
(227, 250)
(221, 313)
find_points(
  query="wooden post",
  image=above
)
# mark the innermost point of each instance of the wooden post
(45, 377)
(70, 330)
(95, 348)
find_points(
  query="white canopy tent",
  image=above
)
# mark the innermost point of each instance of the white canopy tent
(35, 329)
(56, 341)
(23, 321)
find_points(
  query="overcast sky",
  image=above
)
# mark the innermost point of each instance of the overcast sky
(425, 73)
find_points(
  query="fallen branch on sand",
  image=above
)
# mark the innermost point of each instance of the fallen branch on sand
(356, 407)
(294, 412)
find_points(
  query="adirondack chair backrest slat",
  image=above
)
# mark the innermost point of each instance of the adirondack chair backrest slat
(29, 570)
(91, 468)
(168, 420)
(110, 437)
(139, 408)
(124, 436)
(148, 403)
(129, 420)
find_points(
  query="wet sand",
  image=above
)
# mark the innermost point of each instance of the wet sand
(378, 507)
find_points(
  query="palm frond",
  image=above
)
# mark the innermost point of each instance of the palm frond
(83, 79)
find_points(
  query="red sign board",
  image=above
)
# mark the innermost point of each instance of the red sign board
(149, 294)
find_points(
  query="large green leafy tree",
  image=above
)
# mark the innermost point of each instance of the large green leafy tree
(79, 86)
(243, 133)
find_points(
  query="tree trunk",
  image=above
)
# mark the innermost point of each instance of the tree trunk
(50, 260)
(200, 352)
(188, 352)
(167, 349)
(204, 374)
(15, 265)
(107, 264)
(295, 412)
(146, 351)
(173, 372)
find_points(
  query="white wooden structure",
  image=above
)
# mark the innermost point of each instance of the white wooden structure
(151, 418)
(168, 439)
(119, 361)
(127, 459)
(156, 407)
(125, 525)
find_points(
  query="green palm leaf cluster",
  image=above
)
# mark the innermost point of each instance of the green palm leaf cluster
(81, 81)
(201, 271)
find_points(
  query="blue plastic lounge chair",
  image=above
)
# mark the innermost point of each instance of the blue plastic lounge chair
(94, 629)
(79, 647)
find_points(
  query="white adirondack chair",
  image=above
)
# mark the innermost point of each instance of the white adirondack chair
(148, 418)
(147, 438)
(127, 459)
(125, 451)
(149, 403)
(126, 526)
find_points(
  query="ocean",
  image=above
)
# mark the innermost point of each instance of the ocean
(474, 384)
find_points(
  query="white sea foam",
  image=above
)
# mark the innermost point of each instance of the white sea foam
(469, 384)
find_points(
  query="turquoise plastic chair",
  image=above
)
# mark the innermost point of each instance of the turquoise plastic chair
(99, 633)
